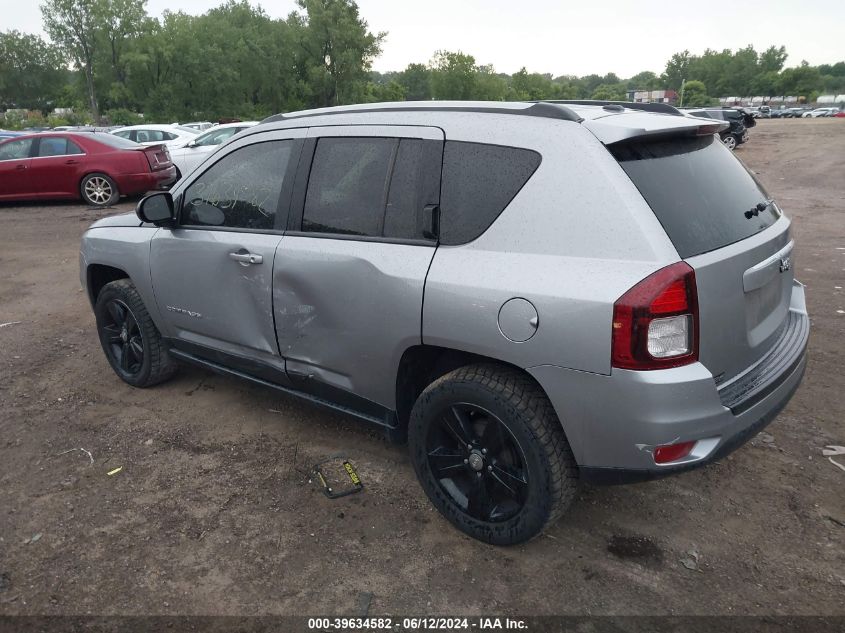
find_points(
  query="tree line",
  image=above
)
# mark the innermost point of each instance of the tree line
(109, 60)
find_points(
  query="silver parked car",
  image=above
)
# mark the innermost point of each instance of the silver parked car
(192, 151)
(532, 294)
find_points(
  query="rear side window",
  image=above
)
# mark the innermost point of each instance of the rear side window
(479, 181)
(242, 190)
(55, 146)
(372, 187)
(698, 190)
(119, 142)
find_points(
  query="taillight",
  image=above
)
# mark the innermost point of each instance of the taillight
(655, 323)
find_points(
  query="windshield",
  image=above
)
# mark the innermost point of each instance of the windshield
(698, 190)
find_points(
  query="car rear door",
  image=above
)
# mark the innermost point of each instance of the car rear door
(212, 273)
(349, 274)
(15, 164)
(57, 166)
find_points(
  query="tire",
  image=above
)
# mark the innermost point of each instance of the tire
(523, 483)
(99, 190)
(730, 142)
(130, 340)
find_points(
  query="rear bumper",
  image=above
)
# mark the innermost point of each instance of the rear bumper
(132, 184)
(614, 422)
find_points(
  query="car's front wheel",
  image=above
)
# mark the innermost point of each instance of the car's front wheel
(99, 190)
(491, 454)
(730, 142)
(129, 338)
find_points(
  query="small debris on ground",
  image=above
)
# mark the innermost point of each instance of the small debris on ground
(830, 451)
(115, 471)
(365, 598)
(33, 539)
(70, 450)
(690, 560)
(10, 323)
(5, 582)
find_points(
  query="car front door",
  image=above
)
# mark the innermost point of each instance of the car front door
(15, 163)
(57, 166)
(349, 274)
(212, 273)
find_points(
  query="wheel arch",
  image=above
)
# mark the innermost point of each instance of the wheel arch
(98, 275)
(420, 365)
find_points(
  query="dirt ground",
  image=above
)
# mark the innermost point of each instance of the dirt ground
(213, 511)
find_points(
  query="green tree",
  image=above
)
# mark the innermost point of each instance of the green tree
(610, 92)
(695, 95)
(338, 50)
(76, 25)
(453, 76)
(772, 59)
(31, 71)
(416, 81)
(645, 80)
(677, 69)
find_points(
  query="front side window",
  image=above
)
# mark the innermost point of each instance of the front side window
(124, 134)
(241, 190)
(372, 187)
(15, 150)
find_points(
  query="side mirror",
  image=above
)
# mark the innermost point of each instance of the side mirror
(191, 144)
(157, 208)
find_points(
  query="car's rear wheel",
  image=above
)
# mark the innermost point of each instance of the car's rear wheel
(130, 339)
(491, 454)
(730, 142)
(99, 190)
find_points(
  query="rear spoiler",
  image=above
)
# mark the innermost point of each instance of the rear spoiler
(616, 106)
(630, 126)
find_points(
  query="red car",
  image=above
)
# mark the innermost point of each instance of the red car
(97, 167)
(840, 114)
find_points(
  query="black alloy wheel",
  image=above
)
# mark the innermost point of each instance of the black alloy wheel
(478, 463)
(124, 339)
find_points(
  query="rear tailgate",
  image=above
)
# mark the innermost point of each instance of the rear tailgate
(723, 224)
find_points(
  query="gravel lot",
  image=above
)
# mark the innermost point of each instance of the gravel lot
(213, 511)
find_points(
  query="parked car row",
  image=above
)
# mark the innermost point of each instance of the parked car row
(100, 165)
(738, 118)
(96, 167)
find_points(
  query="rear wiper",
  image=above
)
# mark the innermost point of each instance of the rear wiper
(758, 208)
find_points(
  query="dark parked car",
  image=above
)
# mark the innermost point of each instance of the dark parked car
(737, 133)
(4, 134)
(99, 168)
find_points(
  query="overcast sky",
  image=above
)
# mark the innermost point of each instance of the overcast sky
(562, 38)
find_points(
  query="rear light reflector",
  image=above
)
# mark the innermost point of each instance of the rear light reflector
(655, 323)
(672, 452)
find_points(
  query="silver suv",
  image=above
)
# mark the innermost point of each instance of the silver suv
(531, 294)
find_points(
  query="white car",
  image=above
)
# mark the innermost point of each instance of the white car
(200, 126)
(170, 135)
(820, 112)
(191, 153)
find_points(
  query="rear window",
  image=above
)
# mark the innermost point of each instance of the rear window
(115, 141)
(479, 181)
(698, 190)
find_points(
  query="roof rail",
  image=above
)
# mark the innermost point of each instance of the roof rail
(545, 109)
(663, 108)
